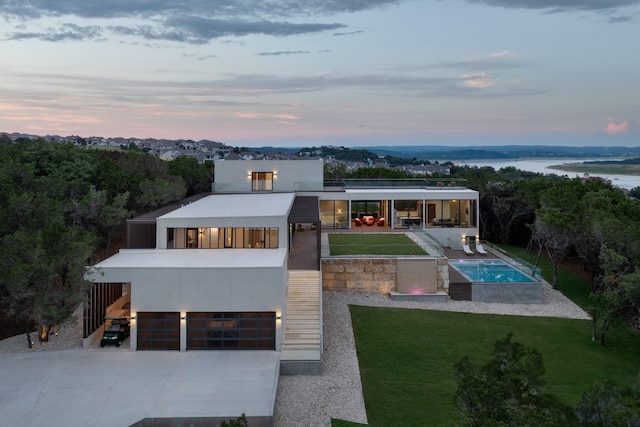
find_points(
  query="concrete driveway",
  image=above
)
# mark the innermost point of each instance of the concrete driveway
(119, 388)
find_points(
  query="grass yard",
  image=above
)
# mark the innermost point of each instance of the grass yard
(406, 358)
(373, 244)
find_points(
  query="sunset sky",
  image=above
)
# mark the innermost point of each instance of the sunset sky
(321, 72)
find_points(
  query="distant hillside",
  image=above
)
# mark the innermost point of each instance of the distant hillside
(441, 153)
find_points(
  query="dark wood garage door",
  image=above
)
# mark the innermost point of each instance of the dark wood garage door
(158, 331)
(231, 331)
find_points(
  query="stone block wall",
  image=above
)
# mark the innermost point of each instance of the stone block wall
(377, 275)
(367, 275)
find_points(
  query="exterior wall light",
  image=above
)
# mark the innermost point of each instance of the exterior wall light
(133, 316)
(183, 315)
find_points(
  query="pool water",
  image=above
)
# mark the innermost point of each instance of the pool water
(490, 270)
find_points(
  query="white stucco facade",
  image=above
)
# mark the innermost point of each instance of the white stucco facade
(288, 175)
(196, 280)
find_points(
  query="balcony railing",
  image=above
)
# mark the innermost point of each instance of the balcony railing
(342, 184)
(432, 183)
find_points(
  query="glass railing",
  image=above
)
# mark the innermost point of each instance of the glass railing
(278, 187)
(308, 186)
(444, 183)
(430, 242)
(516, 262)
(341, 184)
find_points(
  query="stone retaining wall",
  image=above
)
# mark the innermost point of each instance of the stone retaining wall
(380, 275)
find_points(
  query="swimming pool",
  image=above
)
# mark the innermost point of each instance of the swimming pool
(489, 270)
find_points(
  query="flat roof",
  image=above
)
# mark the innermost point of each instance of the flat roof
(245, 205)
(150, 217)
(195, 258)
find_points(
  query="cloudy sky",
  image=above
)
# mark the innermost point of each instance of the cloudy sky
(312, 72)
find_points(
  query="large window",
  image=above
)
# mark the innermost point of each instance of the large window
(408, 213)
(452, 213)
(334, 213)
(262, 181)
(361, 208)
(231, 331)
(228, 237)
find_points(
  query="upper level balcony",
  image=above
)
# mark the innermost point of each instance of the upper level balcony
(397, 183)
(333, 185)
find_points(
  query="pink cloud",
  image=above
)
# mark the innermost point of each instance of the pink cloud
(614, 128)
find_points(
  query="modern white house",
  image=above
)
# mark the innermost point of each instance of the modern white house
(225, 270)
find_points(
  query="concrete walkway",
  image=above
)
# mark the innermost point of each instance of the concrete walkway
(119, 388)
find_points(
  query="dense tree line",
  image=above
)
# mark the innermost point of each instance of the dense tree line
(59, 204)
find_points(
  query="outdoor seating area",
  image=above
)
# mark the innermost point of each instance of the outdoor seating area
(477, 249)
(368, 220)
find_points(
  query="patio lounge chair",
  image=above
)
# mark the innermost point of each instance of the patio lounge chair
(467, 250)
(481, 250)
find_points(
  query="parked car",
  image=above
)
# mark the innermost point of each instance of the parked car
(115, 331)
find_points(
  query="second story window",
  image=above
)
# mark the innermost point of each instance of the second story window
(262, 181)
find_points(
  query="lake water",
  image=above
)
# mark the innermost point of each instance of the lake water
(542, 166)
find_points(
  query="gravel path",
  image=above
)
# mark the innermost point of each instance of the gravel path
(337, 393)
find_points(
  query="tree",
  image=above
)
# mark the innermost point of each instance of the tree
(42, 275)
(553, 236)
(609, 405)
(196, 175)
(619, 294)
(159, 192)
(635, 193)
(97, 214)
(503, 204)
(241, 421)
(508, 390)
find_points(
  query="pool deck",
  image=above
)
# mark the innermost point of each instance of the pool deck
(460, 254)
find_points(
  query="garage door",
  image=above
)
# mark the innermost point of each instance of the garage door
(158, 331)
(231, 331)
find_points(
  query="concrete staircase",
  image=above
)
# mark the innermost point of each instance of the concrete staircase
(302, 347)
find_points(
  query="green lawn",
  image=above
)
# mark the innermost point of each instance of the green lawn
(373, 244)
(406, 358)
